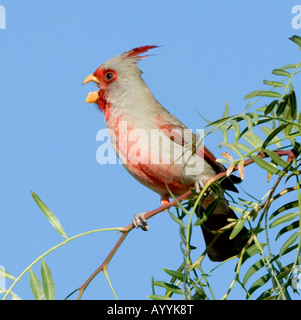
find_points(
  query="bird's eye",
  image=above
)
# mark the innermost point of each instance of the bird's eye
(109, 76)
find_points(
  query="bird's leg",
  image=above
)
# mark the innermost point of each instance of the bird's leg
(164, 200)
(139, 221)
(199, 185)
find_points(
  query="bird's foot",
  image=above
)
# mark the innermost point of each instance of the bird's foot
(139, 221)
(199, 186)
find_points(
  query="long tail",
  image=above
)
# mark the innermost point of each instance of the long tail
(222, 248)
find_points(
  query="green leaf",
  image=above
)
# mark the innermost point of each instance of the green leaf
(267, 131)
(243, 147)
(49, 215)
(259, 283)
(293, 105)
(281, 72)
(263, 93)
(237, 209)
(207, 213)
(5, 274)
(177, 202)
(253, 139)
(177, 220)
(259, 264)
(226, 111)
(183, 236)
(217, 123)
(234, 148)
(288, 243)
(287, 206)
(282, 105)
(270, 107)
(283, 219)
(222, 161)
(175, 274)
(224, 131)
(237, 228)
(267, 166)
(255, 117)
(277, 159)
(168, 286)
(288, 228)
(273, 134)
(236, 129)
(47, 281)
(249, 203)
(249, 121)
(267, 295)
(249, 105)
(36, 287)
(275, 84)
(285, 271)
(280, 109)
(290, 66)
(297, 40)
(251, 251)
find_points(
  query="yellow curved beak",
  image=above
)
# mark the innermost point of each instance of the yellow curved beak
(92, 97)
(90, 78)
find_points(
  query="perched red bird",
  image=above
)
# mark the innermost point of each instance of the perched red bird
(157, 149)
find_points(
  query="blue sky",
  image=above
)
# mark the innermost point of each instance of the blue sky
(210, 52)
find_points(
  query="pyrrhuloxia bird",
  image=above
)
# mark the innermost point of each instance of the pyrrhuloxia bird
(157, 149)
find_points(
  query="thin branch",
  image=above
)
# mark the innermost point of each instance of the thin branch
(125, 231)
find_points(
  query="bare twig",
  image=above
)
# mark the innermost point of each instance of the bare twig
(125, 231)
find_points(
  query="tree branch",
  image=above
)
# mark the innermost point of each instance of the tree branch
(125, 231)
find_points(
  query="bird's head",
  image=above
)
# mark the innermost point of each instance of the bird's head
(120, 71)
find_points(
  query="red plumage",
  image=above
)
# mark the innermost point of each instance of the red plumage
(136, 51)
(132, 115)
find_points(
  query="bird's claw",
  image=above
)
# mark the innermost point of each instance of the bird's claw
(199, 185)
(139, 221)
